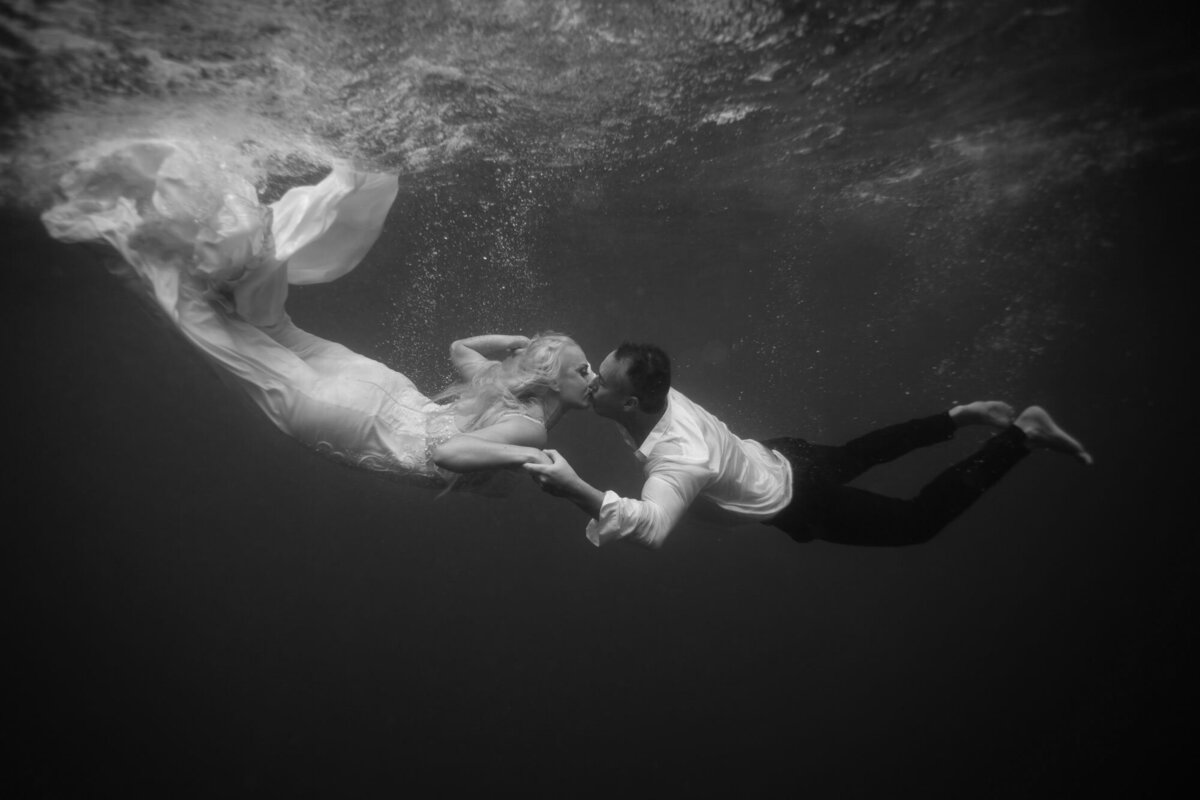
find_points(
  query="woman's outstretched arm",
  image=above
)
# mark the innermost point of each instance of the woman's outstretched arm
(473, 354)
(513, 442)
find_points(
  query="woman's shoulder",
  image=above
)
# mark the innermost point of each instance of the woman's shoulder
(530, 415)
(520, 427)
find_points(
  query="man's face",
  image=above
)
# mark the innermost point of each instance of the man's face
(610, 388)
(575, 379)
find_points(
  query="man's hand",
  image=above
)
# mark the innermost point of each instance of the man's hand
(539, 457)
(556, 477)
(559, 479)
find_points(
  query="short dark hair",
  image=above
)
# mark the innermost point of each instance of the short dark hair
(648, 369)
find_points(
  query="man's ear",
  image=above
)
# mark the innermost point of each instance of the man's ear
(631, 403)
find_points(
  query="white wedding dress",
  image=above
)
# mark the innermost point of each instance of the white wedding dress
(218, 263)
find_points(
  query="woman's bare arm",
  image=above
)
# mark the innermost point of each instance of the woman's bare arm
(512, 442)
(473, 354)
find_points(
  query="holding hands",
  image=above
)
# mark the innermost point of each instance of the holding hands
(559, 479)
(556, 476)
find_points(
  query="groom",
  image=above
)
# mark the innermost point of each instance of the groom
(788, 483)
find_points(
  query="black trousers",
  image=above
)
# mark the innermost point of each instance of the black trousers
(823, 507)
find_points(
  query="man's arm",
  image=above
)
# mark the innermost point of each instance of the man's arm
(666, 495)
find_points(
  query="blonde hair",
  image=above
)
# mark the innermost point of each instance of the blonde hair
(510, 385)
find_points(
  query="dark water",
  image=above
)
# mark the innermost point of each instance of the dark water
(834, 215)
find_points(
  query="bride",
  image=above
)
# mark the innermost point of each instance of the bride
(218, 263)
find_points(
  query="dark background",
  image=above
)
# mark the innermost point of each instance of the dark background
(199, 605)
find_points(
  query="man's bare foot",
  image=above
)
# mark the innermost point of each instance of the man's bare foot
(1042, 431)
(983, 412)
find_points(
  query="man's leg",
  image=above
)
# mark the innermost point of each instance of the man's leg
(845, 463)
(838, 464)
(816, 468)
(846, 515)
(824, 508)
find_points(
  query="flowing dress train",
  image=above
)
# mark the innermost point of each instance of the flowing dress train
(218, 263)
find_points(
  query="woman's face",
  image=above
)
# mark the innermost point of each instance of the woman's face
(575, 378)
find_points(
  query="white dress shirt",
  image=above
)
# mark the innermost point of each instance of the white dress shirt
(691, 453)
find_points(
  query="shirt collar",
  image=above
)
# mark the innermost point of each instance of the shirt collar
(656, 433)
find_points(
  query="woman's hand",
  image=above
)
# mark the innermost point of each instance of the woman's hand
(517, 346)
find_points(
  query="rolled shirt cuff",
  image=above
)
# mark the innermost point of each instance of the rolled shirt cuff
(606, 527)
